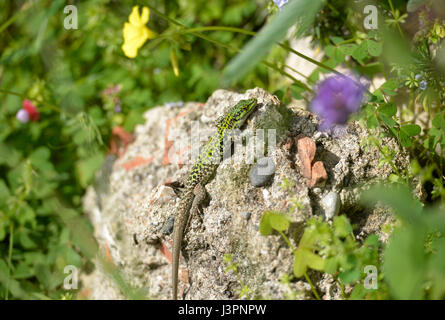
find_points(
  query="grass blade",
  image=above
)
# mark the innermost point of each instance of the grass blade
(296, 11)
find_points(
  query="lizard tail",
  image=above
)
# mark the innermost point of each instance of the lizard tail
(178, 231)
(177, 237)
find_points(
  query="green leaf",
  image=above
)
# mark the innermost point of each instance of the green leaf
(329, 51)
(348, 48)
(342, 227)
(23, 271)
(308, 238)
(314, 261)
(439, 121)
(265, 227)
(9, 156)
(330, 265)
(299, 267)
(85, 169)
(389, 87)
(398, 197)
(374, 48)
(437, 271)
(299, 12)
(279, 222)
(43, 274)
(411, 129)
(390, 109)
(304, 258)
(26, 241)
(372, 121)
(271, 220)
(337, 40)
(372, 240)
(361, 52)
(407, 132)
(296, 90)
(13, 285)
(387, 120)
(339, 56)
(4, 192)
(404, 264)
(349, 276)
(405, 140)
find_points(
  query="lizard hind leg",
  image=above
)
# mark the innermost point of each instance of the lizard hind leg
(200, 196)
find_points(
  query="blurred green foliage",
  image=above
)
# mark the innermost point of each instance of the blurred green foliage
(77, 78)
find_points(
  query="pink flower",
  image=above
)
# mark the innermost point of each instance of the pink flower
(31, 110)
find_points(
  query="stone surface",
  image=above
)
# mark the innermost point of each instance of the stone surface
(130, 216)
(262, 172)
(330, 204)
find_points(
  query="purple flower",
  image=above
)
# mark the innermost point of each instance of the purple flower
(337, 98)
(117, 108)
(177, 104)
(423, 84)
(22, 116)
(280, 3)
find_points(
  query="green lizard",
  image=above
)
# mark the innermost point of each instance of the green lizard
(193, 192)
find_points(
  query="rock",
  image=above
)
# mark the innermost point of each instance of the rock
(168, 226)
(138, 204)
(330, 204)
(246, 215)
(262, 172)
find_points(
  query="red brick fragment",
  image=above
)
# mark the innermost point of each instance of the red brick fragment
(319, 175)
(136, 162)
(306, 151)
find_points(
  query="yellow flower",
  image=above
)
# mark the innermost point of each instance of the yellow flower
(135, 32)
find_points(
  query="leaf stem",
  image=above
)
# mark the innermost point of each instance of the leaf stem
(50, 106)
(287, 241)
(312, 286)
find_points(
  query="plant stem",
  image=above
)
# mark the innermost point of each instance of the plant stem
(312, 286)
(287, 241)
(319, 64)
(394, 16)
(194, 31)
(218, 28)
(50, 106)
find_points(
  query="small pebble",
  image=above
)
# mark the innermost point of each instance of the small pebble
(246, 215)
(168, 226)
(317, 136)
(330, 204)
(262, 172)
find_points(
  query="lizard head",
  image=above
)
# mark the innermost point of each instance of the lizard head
(241, 111)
